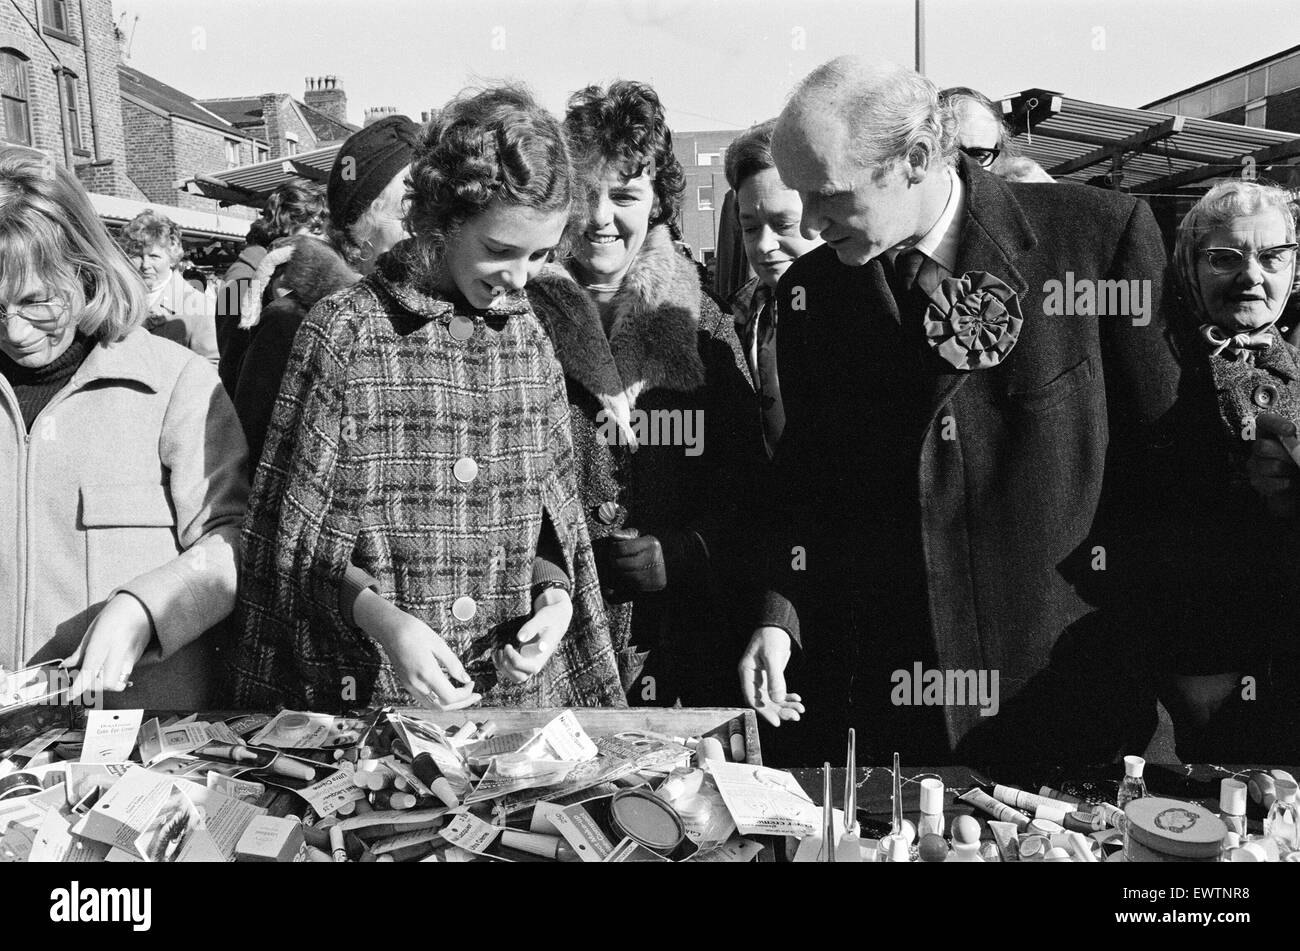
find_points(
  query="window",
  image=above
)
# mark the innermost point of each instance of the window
(55, 15)
(1229, 94)
(262, 152)
(708, 158)
(704, 198)
(1255, 88)
(232, 153)
(1197, 105)
(1255, 114)
(72, 110)
(709, 255)
(13, 92)
(291, 144)
(1284, 75)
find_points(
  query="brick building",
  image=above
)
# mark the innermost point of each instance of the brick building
(170, 137)
(287, 126)
(701, 155)
(58, 83)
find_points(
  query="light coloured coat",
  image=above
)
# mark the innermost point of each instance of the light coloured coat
(133, 478)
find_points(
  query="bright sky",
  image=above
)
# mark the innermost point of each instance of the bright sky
(717, 64)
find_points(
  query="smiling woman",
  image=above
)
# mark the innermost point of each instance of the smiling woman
(640, 341)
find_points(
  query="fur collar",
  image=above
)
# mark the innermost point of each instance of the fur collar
(653, 337)
(312, 270)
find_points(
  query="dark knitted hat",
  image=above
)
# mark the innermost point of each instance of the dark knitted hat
(366, 163)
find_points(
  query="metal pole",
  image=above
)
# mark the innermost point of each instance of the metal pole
(920, 36)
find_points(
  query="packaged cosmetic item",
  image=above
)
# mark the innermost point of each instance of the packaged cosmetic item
(699, 804)
(270, 839)
(986, 803)
(1169, 830)
(1232, 812)
(645, 818)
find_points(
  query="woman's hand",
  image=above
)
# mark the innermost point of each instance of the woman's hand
(538, 638)
(1272, 470)
(417, 654)
(112, 646)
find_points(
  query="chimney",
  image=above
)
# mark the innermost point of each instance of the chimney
(375, 113)
(325, 94)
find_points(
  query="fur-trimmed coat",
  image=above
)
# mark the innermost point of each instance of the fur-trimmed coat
(669, 352)
(293, 277)
(428, 444)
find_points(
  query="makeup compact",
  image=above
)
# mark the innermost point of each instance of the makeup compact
(645, 818)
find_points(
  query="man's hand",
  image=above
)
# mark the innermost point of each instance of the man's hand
(112, 646)
(417, 654)
(1273, 472)
(538, 638)
(762, 676)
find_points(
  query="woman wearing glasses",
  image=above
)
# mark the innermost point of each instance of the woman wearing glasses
(122, 464)
(1236, 259)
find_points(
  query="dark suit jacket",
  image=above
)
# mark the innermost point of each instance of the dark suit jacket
(996, 520)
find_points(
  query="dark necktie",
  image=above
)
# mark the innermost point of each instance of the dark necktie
(769, 388)
(902, 275)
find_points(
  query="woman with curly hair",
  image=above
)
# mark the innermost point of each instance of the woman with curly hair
(177, 310)
(414, 524)
(661, 400)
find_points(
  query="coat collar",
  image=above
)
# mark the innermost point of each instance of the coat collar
(393, 275)
(996, 233)
(653, 340)
(132, 359)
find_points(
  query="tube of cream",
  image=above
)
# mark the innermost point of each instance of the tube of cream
(1004, 836)
(1027, 801)
(986, 803)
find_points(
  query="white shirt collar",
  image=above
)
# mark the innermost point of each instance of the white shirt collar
(940, 242)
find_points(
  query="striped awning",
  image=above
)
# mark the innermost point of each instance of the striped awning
(1139, 150)
(251, 184)
(203, 225)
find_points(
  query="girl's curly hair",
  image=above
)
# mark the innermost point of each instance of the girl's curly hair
(496, 144)
(625, 126)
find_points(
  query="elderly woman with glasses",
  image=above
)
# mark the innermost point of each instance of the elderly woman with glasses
(1231, 624)
(122, 464)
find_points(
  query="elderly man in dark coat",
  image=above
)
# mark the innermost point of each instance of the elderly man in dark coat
(974, 448)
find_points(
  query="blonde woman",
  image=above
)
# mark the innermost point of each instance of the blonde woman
(121, 453)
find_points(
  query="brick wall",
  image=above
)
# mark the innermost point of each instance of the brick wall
(281, 118)
(150, 153)
(90, 52)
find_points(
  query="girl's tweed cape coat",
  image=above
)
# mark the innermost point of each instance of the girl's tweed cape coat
(379, 403)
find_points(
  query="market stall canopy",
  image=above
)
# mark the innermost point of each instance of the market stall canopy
(251, 185)
(195, 224)
(1139, 150)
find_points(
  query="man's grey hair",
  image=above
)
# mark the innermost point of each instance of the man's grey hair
(888, 110)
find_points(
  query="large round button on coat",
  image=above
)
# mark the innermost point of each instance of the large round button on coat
(607, 512)
(464, 608)
(465, 470)
(460, 328)
(1265, 395)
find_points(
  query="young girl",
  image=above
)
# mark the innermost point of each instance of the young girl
(422, 436)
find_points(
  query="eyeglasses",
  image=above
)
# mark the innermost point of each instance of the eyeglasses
(1228, 260)
(43, 315)
(985, 157)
